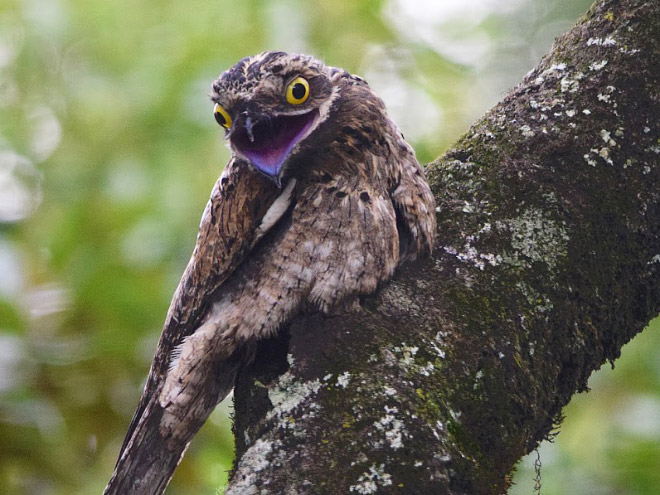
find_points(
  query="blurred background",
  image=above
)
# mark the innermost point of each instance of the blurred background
(108, 152)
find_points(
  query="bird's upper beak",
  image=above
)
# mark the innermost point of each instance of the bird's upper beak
(267, 141)
(248, 128)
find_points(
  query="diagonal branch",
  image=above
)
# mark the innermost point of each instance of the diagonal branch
(547, 263)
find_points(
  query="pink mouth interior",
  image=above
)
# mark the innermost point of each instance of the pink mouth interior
(273, 140)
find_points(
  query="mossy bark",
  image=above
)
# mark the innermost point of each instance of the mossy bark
(547, 262)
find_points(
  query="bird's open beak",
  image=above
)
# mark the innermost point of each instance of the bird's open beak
(268, 142)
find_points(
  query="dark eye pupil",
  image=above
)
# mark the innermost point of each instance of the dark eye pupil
(299, 91)
(220, 119)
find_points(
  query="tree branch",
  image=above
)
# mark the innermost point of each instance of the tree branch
(547, 263)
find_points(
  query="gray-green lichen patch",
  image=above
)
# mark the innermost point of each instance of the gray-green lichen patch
(392, 428)
(372, 480)
(535, 238)
(287, 394)
(470, 253)
(404, 357)
(540, 302)
(343, 379)
(607, 41)
(255, 459)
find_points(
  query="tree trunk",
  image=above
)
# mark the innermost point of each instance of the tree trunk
(547, 262)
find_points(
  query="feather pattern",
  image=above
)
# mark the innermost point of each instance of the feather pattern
(228, 229)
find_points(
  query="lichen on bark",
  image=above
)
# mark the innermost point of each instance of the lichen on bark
(546, 264)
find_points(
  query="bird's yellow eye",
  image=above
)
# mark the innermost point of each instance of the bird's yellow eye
(297, 91)
(221, 116)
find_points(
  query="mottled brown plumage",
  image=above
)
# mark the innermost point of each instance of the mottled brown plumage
(321, 201)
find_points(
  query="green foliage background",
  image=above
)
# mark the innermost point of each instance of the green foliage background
(108, 152)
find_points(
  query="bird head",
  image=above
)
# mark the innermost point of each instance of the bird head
(270, 105)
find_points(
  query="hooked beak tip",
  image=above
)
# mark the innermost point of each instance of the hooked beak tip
(248, 128)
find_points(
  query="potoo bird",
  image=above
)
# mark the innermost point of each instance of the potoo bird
(321, 201)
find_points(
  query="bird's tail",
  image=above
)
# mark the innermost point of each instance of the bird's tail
(158, 442)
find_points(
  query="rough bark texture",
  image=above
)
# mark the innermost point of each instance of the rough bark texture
(547, 263)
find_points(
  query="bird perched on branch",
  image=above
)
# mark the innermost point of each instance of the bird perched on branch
(321, 201)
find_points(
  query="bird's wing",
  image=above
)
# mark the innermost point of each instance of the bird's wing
(243, 206)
